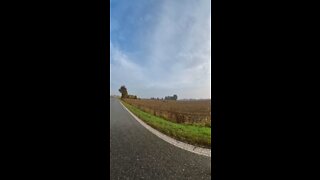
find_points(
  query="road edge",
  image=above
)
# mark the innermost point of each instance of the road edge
(179, 144)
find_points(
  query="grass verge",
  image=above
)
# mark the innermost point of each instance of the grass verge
(192, 134)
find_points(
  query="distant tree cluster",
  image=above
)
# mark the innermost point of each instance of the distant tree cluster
(132, 97)
(174, 97)
(156, 98)
(124, 93)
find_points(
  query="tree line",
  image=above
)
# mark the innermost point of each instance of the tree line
(124, 94)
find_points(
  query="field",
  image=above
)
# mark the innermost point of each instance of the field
(195, 112)
(190, 133)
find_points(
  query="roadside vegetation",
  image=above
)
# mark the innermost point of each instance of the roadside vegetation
(194, 112)
(192, 133)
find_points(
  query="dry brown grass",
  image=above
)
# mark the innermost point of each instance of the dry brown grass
(187, 112)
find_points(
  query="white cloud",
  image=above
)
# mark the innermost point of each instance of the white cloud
(124, 71)
(177, 53)
(181, 42)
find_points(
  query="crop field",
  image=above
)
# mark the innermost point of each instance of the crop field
(196, 112)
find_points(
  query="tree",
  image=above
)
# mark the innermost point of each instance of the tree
(124, 92)
(175, 97)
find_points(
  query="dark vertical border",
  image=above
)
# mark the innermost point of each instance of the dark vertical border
(217, 86)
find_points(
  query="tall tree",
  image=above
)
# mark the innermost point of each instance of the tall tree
(123, 91)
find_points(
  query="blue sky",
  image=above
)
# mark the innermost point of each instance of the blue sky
(161, 47)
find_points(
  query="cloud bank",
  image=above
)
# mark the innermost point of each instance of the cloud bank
(161, 48)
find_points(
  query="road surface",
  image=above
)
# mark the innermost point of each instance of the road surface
(136, 153)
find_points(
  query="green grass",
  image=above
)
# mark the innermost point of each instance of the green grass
(193, 134)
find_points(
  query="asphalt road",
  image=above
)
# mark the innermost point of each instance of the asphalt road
(136, 153)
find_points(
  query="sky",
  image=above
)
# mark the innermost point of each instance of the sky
(161, 47)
